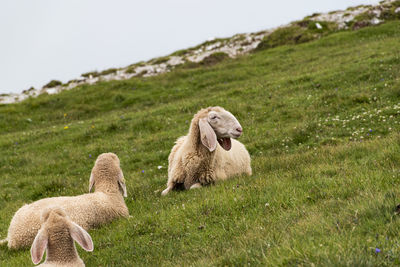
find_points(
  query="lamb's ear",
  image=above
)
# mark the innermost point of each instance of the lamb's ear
(81, 236)
(207, 135)
(91, 182)
(121, 183)
(39, 246)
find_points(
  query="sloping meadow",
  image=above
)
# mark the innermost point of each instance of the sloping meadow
(321, 121)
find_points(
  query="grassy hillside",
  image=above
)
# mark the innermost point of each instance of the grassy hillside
(321, 121)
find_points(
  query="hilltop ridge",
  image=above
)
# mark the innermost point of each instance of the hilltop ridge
(310, 28)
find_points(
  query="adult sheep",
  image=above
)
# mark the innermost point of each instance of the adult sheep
(87, 210)
(197, 159)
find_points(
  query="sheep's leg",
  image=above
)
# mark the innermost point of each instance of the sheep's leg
(207, 177)
(190, 182)
(166, 190)
(176, 175)
(198, 180)
(196, 185)
(193, 163)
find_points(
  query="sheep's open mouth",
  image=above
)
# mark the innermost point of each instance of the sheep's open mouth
(225, 143)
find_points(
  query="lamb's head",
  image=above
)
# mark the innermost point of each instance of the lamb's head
(107, 174)
(58, 230)
(218, 125)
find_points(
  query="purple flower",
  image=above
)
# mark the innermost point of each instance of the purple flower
(377, 250)
(370, 130)
(142, 171)
(90, 155)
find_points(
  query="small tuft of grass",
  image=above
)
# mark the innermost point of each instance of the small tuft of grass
(52, 83)
(108, 71)
(180, 53)
(119, 98)
(142, 73)
(214, 58)
(130, 70)
(360, 98)
(28, 90)
(91, 73)
(208, 61)
(299, 32)
(160, 60)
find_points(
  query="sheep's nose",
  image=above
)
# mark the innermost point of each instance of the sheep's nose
(239, 129)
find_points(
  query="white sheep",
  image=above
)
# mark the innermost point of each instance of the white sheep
(88, 210)
(197, 160)
(57, 236)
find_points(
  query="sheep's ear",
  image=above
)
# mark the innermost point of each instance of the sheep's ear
(91, 182)
(207, 135)
(81, 236)
(39, 245)
(121, 183)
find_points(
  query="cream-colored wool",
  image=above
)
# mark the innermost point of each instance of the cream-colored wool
(56, 236)
(197, 159)
(88, 210)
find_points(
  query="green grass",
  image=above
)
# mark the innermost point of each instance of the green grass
(52, 83)
(300, 32)
(91, 73)
(108, 71)
(160, 60)
(321, 122)
(211, 60)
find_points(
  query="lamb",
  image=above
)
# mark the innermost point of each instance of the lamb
(57, 236)
(88, 210)
(196, 159)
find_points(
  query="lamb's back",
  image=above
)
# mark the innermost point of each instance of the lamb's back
(88, 210)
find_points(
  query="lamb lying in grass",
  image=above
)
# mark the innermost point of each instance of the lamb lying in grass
(197, 159)
(57, 236)
(88, 210)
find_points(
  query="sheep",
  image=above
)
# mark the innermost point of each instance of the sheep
(88, 210)
(196, 159)
(57, 236)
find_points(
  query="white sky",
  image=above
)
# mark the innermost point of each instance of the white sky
(41, 40)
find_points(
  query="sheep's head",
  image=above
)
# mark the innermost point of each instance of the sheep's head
(219, 125)
(107, 170)
(55, 213)
(57, 226)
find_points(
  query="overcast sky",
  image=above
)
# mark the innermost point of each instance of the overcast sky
(43, 40)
